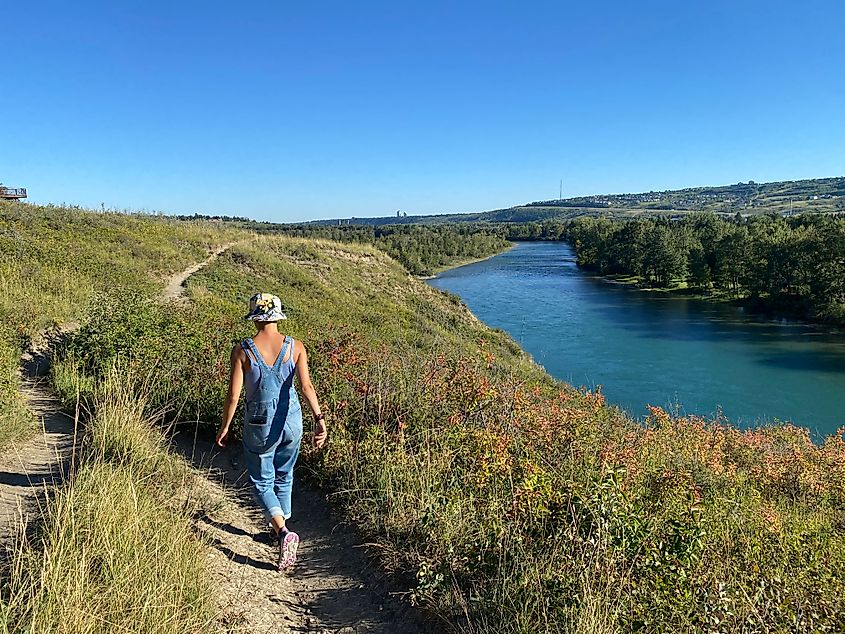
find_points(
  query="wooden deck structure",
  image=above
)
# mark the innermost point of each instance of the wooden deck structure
(12, 193)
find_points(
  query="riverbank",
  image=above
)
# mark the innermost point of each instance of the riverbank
(758, 307)
(791, 266)
(714, 359)
(463, 262)
(679, 288)
(422, 249)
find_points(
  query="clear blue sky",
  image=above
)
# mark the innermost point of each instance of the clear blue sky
(289, 111)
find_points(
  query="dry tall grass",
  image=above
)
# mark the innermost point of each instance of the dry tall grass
(114, 551)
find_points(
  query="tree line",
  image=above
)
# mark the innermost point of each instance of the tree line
(422, 249)
(792, 265)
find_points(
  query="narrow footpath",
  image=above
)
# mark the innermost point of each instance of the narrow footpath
(334, 587)
(29, 470)
(175, 289)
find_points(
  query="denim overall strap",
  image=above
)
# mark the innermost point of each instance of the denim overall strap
(256, 363)
(255, 354)
(290, 361)
(277, 366)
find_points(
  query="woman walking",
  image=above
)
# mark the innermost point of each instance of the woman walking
(265, 365)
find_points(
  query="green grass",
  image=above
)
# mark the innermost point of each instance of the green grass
(56, 262)
(678, 287)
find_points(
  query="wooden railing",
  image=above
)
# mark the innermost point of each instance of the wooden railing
(12, 192)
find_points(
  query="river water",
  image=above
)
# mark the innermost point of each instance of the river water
(686, 355)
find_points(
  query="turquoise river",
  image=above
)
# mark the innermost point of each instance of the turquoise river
(687, 355)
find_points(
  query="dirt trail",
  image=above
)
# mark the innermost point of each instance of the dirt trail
(175, 288)
(30, 469)
(334, 586)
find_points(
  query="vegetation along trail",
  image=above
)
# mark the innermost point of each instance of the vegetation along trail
(31, 468)
(334, 586)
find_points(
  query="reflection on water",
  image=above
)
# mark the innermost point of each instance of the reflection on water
(648, 348)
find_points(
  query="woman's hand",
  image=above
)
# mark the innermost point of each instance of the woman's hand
(222, 436)
(320, 433)
(301, 364)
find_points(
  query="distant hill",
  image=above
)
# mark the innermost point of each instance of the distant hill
(816, 195)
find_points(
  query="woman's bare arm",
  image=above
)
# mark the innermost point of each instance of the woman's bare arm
(304, 377)
(236, 383)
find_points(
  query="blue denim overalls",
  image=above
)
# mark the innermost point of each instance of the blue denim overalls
(272, 428)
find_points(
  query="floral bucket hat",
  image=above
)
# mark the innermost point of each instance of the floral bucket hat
(265, 307)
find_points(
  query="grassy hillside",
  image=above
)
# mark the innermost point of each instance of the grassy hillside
(817, 195)
(519, 504)
(56, 262)
(115, 545)
(421, 249)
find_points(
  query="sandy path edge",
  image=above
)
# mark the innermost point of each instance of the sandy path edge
(28, 470)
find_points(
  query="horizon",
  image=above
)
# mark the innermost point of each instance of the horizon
(164, 212)
(291, 114)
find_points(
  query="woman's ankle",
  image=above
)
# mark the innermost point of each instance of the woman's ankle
(278, 524)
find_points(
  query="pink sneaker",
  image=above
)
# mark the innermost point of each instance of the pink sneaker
(288, 543)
